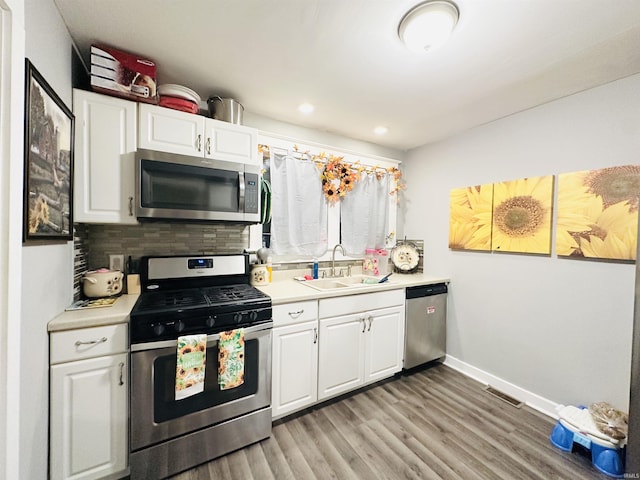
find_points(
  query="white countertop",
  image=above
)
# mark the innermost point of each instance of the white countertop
(94, 317)
(289, 290)
(283, 290)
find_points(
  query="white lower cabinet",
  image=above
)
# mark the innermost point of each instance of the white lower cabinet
(360, 347)
(341, 366)
(384, 343)
(294, 379)
(88, 404)
(332, 346)
(295, 366)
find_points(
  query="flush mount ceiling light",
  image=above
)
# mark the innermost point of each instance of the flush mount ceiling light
(306, 108)
(380, 130)
(428, 25)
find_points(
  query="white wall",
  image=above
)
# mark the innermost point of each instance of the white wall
(47, 270)
(295, 132)
(11, 155)
(558, 328)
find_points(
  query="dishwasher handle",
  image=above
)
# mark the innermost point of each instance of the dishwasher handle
(426, 290)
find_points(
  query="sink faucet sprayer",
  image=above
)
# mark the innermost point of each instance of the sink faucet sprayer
(333, 258)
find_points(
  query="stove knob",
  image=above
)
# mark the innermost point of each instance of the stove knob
(253, 316)
(178, 326)
(211, 321)
(237, 317)
(158, 329)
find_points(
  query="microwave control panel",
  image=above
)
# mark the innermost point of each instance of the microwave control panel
(251, 193)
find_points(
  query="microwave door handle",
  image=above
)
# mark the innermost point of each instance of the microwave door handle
(241, 191)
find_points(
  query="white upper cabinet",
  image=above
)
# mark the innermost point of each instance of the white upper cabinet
(226, 141)
(105, 145)
(166, 130)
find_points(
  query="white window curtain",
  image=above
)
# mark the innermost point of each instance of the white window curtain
(365, 214)
(299, 218)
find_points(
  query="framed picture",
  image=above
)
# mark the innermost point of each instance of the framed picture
(48, 162)
(598, 214)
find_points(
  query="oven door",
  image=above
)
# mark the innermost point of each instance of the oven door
(156, 415)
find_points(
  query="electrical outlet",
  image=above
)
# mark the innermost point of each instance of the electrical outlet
(116, 262)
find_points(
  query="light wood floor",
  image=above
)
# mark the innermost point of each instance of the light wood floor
(434, 424)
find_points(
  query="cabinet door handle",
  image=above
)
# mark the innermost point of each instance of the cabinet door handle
(315, 335)
(199, 142)
(91, 342)
(364, 324)
(121, 373)
(296, 314)
(208, 145)
(131, 206)
(370, 318)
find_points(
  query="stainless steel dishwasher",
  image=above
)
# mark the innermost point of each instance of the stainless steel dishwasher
(425, 324)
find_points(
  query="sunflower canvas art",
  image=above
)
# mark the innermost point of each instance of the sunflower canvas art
(598, 213)
(521, 219)
(470, 218)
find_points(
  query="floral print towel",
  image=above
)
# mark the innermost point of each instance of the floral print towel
(231, 359)
(190, 363)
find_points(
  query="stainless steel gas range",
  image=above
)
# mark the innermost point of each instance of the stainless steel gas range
(194, 295)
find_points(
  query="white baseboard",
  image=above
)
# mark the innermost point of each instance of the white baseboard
(543, 405)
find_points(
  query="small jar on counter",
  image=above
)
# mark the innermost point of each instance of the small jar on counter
(382, 257)
(370, 262)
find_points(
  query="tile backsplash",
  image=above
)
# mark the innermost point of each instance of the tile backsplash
(158, 238)
(94, 243)
(79, 258)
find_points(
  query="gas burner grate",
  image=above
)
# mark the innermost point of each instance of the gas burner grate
(173, 299)
(233, 293)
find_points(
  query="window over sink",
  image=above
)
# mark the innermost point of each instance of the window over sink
(321, 196)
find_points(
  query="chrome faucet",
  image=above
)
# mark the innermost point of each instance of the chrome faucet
(333, 258)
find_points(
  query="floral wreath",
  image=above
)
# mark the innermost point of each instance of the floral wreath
(338, 178)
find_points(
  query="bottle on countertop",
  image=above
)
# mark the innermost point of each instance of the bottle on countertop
(314, 271)
(270, 268)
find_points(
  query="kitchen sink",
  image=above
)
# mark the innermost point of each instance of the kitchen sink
(343, 282)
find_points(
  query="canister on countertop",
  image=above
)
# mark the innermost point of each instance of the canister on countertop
(370, 262)
(259, 274)
(383, 261)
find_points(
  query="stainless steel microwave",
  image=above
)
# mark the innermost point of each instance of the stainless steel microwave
(180, 187)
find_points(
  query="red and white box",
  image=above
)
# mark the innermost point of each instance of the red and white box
(123, 74)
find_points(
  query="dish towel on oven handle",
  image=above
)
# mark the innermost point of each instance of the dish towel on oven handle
(190, 363)
(231, 359)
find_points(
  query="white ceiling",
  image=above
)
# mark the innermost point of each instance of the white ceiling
(344, 57)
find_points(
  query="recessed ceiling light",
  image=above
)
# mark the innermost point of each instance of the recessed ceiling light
(428, 25)
(380, 130)
(306, 108)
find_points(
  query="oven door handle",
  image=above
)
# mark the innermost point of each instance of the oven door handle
(211, 339)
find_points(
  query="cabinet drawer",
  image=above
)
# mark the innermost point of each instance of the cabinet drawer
(296, 312)
(82, 343)
(333, 307)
